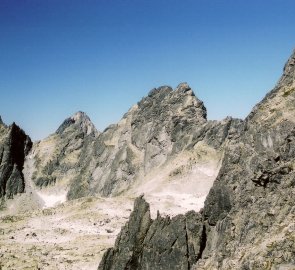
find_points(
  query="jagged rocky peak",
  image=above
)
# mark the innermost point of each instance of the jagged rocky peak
(278, 104)
(1, 122)
(248, 218)
(288, 76)
(167, 111)
(180, 101)
(80, 120)
(60, 152)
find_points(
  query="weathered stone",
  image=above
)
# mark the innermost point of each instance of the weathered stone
(14, 146)
(163, 243)
(248, 218)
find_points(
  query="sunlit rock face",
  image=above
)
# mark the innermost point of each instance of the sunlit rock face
(163, 147)
(54, 162)
(248, 221)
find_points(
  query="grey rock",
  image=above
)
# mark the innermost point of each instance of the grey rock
(248, 218)
(80, 121)
(150, 134)
(163, 243)
(75, 134)
(251, 198)
(14, 146)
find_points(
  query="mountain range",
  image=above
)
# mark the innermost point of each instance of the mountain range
(210, 194)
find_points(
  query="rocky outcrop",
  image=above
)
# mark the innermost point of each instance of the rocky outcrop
(14, 145)
(160, 128)
(79, 121)
(57, 157)
(163, 243)
(248, 221)
(249, 212)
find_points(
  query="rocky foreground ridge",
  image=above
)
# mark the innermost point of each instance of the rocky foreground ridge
(248, 221)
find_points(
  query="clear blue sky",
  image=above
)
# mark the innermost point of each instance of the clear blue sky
(101, 57)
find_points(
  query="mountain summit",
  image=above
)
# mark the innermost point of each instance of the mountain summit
(248, 218)
(79, 120)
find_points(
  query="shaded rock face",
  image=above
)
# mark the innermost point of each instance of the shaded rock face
(248, 221)
(162, 243)
(14, 146)
(152, 133)
(249, 213)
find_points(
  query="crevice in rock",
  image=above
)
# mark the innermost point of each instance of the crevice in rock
(203, 243)
(187, 249)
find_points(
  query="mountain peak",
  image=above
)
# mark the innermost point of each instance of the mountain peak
(1, 122)
(79, 120)
(163, 90)
(183, 87)
(288, 76)
(80, 116)
(277, 105)
(164, 103)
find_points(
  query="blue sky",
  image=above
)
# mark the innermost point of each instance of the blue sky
(101, 57)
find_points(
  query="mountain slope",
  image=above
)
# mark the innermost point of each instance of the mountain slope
(249, 211)
(163, 146)
(54, 161)
(248, 221)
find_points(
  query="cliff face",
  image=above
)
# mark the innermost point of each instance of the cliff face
(249, 212)
(248, 221)
(166, 127)
(54, 161)
(163, 243)
(14, 145)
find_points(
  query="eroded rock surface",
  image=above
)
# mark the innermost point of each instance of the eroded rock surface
(163, 146)
(54, 162)
(163, 243)
(14, 146)
(250, 211)
(248, 221)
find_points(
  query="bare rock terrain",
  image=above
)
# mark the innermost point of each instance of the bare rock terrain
(248, 221)
(217, 194)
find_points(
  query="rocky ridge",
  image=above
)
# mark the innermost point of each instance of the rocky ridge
(248, 217)
(55, 159)
(163, 243)
(164, 146)
(161, 142)
(14, 146)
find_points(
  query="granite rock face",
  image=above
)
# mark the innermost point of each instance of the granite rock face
(14, 146)
(151, 134)
(249, 213)
(248, 221)
(56, 158)
(163, 243)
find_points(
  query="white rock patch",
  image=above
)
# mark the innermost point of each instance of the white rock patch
(51, 200)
